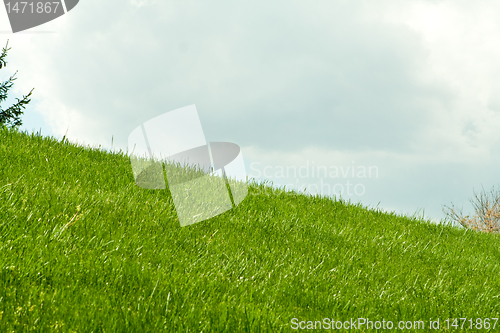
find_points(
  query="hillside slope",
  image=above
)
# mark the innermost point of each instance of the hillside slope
(85, 249)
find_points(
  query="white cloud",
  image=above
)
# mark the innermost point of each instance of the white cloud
(463, 44)
(411, 87)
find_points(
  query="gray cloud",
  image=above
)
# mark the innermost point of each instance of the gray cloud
(283, 77)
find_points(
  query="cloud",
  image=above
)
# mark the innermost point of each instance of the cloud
(409, 86)
(319, 71)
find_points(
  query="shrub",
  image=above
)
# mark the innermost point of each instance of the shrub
(487, 209)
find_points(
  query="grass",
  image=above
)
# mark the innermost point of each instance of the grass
(84, 249)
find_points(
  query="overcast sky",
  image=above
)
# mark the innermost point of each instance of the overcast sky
(409, 90)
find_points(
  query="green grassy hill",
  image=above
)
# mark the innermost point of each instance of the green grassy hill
(83, 249)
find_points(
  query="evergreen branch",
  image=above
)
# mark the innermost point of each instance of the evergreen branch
(3, 63)
(12, 116)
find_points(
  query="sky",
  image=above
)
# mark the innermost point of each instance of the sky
(393, 104)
